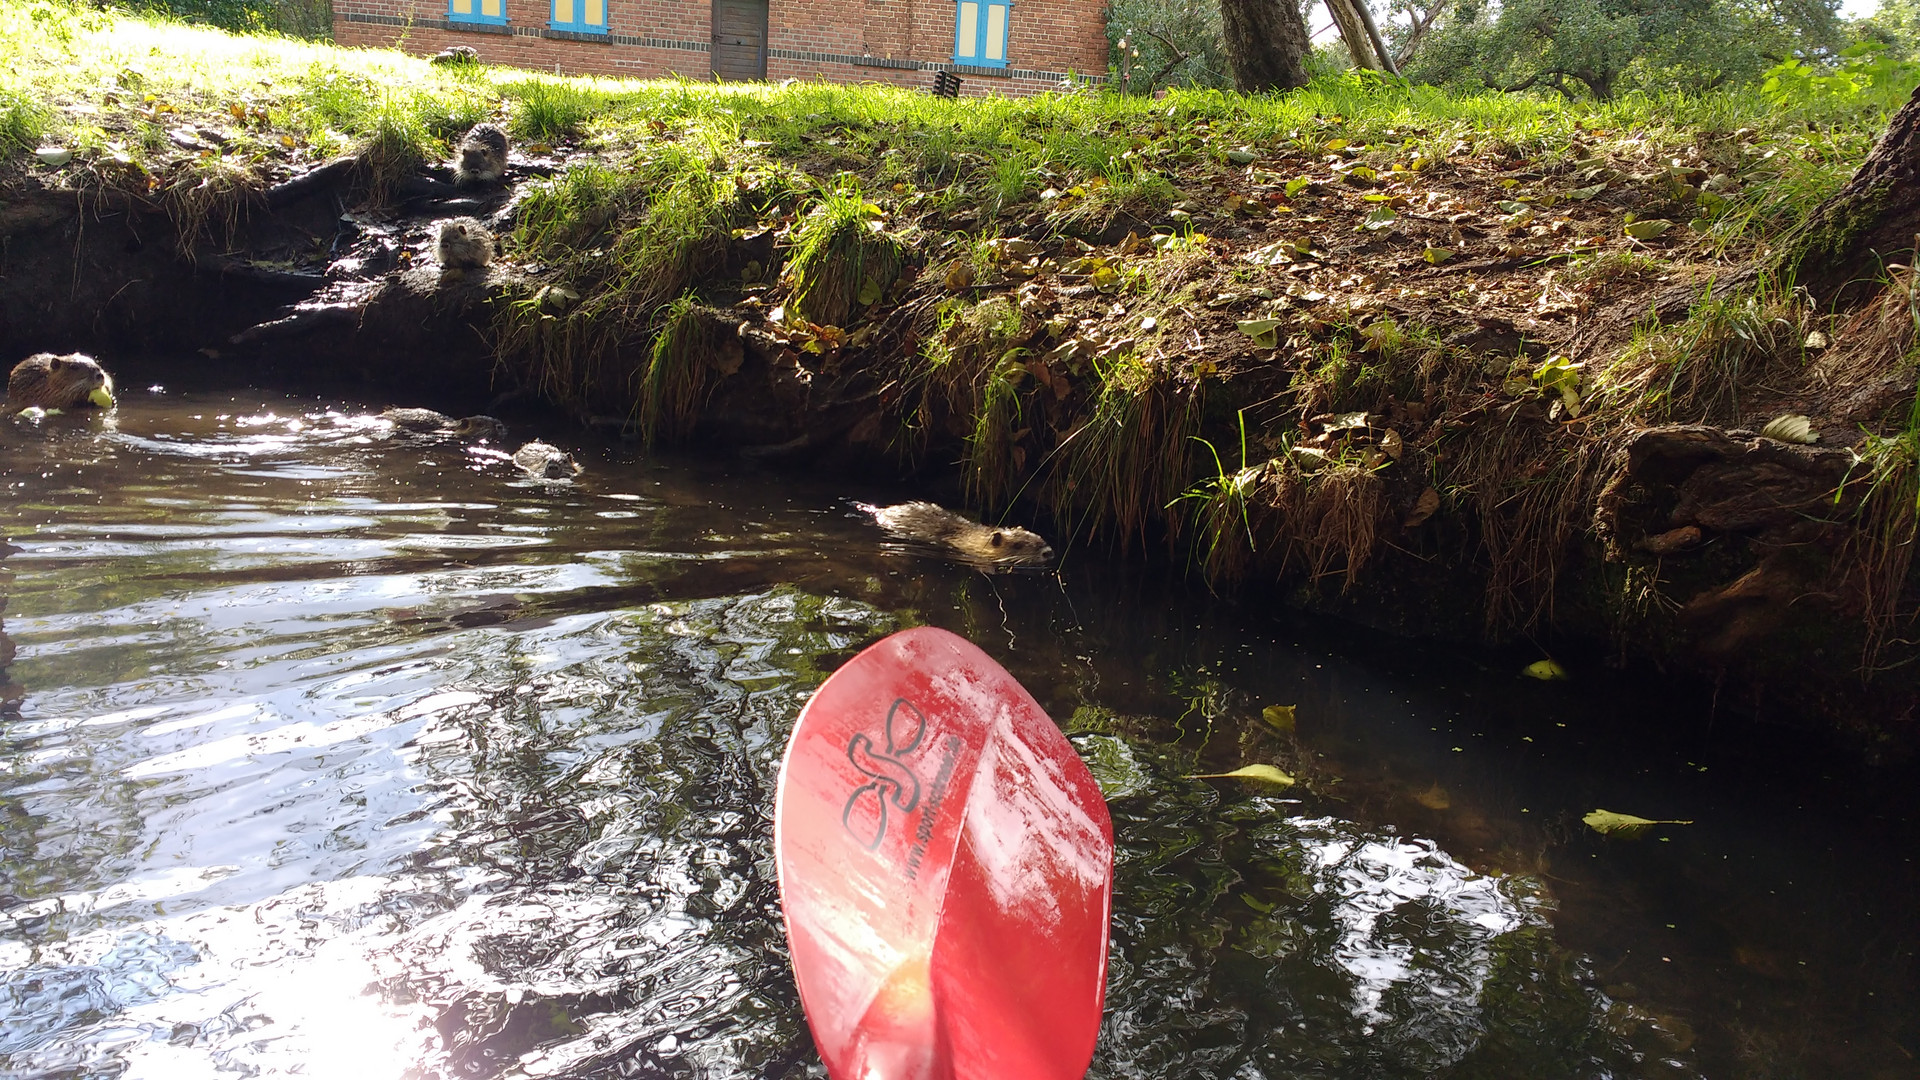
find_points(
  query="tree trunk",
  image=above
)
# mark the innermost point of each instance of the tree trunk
(1353, 34)
(1840, 253)
(1266, 44)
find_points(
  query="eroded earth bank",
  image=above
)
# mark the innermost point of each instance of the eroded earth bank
(1518, 372)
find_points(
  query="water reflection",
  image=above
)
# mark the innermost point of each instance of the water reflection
(353, 757)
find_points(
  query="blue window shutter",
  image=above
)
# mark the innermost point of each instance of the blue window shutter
(580, 16)
(477, 11)
(980, 32)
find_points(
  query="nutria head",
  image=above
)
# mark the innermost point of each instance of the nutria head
(463, 243)
(1019, 547)
(483, 155)
(479, 429)
(54, 381)
(546, 461)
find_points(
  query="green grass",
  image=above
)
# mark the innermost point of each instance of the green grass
(844, 257)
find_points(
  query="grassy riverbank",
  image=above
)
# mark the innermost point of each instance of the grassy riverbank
(1289, 336)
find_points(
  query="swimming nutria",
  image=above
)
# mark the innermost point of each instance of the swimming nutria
(483, 156)
(980, 545)
(463, 243)
(428, 422)
(546, 461)
(52, 381)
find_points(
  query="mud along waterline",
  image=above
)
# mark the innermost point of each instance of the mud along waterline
(342, 756)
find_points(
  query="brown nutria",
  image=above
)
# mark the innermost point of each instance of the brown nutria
(455, 56)
(984, 546)
(463, 243)
(483, 156)
(546, 461)
(428, 422)
(53, 381)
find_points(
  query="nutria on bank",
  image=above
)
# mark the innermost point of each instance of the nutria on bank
(463, 243)
(54, 381)
(483, 156)
(986, 546)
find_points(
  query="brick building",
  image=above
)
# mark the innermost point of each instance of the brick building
(995, 46)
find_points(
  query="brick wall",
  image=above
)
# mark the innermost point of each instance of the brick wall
(902, 42)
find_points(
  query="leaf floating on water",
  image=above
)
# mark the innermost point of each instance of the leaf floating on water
(1279, 718)
(1545, 671)
(1647, 229)
(1792, 428)
(1624, 826)
(1265, 774)
(1434, 798)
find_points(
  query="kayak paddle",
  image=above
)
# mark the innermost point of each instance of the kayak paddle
(946, 871)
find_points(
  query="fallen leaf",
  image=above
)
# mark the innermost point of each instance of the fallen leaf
(1423, 509)
(1792, 428)
(53, 155)
(1379, 218)
(1265, 774)
(1436, 256)
(1545, 671)
(1585, 193)
(1264, 332)
(1624, 826)
(1279, 718)
(1647, 229)
(1434, 798)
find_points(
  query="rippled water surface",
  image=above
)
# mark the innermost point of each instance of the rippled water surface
(341, 756)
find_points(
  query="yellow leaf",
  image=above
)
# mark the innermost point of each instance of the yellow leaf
(1647, 229)
(1265, 774)
(1278, 717)
(1545, 671)
(1624, 826)
(1436, 256)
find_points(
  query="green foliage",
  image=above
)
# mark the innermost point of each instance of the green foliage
(549, 110)
(23, 123)
(311, 19)
(1602, 48)
(1861, 69)
(1169, 42)
(844, 258)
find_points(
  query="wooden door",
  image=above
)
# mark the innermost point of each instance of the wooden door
(739, 39)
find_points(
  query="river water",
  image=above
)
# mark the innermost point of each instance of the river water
(340, 756)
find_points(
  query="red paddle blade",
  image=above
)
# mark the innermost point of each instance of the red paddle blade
(946, 870)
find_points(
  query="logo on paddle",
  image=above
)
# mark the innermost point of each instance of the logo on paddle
(892, 782)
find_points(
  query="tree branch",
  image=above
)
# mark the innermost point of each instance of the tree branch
(1180, 56)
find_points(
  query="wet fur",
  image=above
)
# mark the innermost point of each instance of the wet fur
(428, 422)
(986, 546)
(463, 243)
(482, 157)
(546, 461)
(54, 381)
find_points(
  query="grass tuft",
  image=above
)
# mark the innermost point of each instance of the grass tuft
(844, 259)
